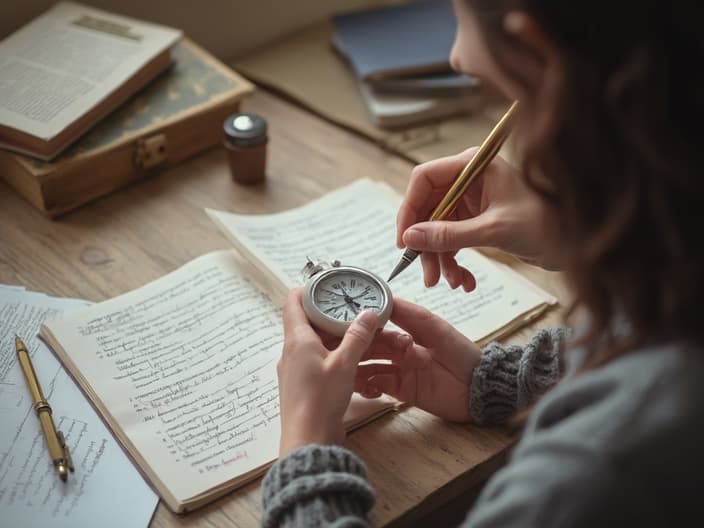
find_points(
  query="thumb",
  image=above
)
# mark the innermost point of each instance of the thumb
(357, 339)
(441, 236)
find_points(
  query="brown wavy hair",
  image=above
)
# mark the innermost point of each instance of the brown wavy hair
(620, 145)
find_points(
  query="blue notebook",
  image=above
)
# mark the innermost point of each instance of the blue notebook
(397, 41)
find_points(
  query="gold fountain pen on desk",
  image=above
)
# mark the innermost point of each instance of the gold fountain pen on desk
(54, 439)
(482, 158)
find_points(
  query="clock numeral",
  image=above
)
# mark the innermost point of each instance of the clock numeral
(353, 283)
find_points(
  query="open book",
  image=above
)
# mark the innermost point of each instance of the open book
(183, 369)
(68, 68)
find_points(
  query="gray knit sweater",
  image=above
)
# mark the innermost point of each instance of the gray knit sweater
(617, 446)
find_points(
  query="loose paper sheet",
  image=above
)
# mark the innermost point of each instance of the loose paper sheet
(105, 490)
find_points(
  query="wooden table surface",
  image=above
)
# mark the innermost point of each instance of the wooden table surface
(423, 469)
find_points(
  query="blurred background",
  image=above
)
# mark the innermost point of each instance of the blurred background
(227, 28)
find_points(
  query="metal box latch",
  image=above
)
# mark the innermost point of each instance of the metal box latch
(151, 151)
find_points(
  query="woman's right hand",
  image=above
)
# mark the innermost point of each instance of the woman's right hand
(430, 367)
(498, 210)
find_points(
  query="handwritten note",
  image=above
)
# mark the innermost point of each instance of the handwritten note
(31, 494)
(357, 225)
(186, 369)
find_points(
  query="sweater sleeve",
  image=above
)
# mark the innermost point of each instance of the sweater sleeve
(317, 485)
(509, 378)
(327, 485)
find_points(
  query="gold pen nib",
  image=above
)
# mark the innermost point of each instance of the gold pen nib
(67, 455)
(63, 474)
(19, 345)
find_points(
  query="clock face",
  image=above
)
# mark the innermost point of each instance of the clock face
(345, 293)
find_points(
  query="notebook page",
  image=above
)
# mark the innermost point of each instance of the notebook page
(186, 368)
(357, 225)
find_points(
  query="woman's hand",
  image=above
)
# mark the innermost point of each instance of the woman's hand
(430, 368)
(315, 382)
(498, 210)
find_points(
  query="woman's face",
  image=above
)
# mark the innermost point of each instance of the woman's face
(470, 53)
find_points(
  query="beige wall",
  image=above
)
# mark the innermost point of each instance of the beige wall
(225, 27)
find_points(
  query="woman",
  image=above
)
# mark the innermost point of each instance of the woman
(607, 192)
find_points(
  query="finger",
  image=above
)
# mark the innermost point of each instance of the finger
(469, 281)
(426, 328)
(443, 235)
(386, 384)
(296, 324)
(432, 179)
(388, 345)
(450, 270)
(428, 183)
(450, 348)
(369, 371)
(431, 269)
(405, 218)
(356, 340)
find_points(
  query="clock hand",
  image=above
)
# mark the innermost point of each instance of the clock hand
(365, 291)
(349, 300)
(360, 295)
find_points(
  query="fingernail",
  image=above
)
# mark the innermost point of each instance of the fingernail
(414, 238)
(404, 341)
(367, 319)
(453, 280)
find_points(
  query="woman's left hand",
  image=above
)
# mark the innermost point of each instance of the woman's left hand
(316, 383)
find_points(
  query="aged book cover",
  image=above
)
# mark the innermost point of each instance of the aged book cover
(183, 369)
(177, 115)
(70, 67)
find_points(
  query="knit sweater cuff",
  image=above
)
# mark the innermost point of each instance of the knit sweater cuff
(316, 482)
(509, 378)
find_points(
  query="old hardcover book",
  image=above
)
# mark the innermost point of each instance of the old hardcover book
(183, 369)
(177, 115)
(70, 67)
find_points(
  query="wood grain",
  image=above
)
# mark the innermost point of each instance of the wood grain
(417, 463)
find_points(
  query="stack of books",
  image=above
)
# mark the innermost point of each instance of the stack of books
(91, 100)
(400, 57)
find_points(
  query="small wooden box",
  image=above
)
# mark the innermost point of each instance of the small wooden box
(174, 117)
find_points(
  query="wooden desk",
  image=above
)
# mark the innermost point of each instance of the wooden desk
(419, 465)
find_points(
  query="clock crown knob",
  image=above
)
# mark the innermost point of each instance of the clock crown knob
(311, 268)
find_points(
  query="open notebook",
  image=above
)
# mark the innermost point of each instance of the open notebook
(183, 369)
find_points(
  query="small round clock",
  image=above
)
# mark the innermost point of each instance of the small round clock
(333, 295)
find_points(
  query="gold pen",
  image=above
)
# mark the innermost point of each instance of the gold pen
(486, 152)
(55, 440)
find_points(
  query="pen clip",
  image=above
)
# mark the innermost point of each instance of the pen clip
(64, 448)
